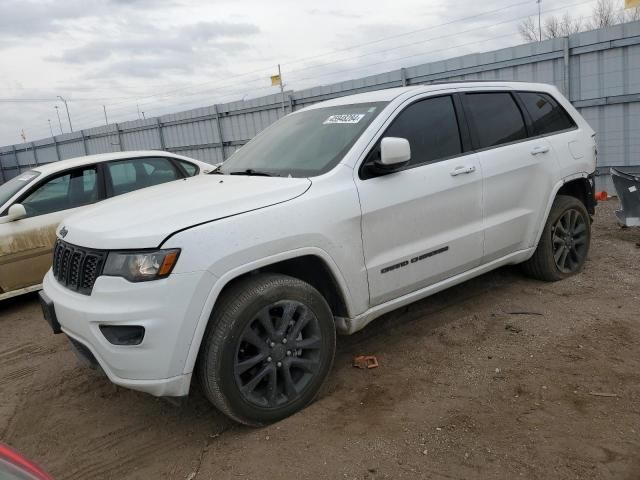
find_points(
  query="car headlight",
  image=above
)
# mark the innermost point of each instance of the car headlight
(141, 266)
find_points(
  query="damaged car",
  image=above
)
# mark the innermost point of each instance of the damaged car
(326, 220)
(34, 203)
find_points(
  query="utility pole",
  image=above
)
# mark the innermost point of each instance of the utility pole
(138, 107)
(59, 122)
(68, 116)
(143, 117)
(539, 21)
(281, 88)
(106, 120)
(50, 127)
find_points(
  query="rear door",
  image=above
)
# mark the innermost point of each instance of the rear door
(27, 243)
(422, 224)
(515, 167)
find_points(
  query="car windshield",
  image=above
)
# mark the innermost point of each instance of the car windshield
(13, 186)
(304, 144)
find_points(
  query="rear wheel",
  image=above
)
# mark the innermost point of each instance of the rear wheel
(565, 241)
(268, 349)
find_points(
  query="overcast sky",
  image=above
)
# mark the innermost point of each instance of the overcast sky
(166, 56)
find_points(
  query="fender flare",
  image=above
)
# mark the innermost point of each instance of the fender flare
(552, 197)
(223, 281)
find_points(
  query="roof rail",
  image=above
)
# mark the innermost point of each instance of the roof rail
(438, 82)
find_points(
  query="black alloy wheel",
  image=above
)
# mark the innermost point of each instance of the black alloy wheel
(278, 354)
(570, 241)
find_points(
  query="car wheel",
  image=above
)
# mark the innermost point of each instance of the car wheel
(268, 348)
(565, 241)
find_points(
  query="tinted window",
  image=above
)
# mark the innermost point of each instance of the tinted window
(134, 174)
(69, 190)
(431, 128)
(189, 168)
(496, 118)
(546, 114)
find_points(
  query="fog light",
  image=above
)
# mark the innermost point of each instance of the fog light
(123, 334)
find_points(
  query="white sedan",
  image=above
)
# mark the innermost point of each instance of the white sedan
(34, 203)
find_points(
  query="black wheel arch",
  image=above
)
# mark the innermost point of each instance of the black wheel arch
(583, 189)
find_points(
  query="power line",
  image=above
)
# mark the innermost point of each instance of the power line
(378, 52)
(305, 68)
(333, 52)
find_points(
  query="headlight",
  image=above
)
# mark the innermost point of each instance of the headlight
(141, 266)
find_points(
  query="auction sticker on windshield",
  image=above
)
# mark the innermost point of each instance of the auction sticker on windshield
(344, 118)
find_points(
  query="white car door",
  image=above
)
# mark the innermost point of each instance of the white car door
(421, 224)
(517, 170)
(26, 244)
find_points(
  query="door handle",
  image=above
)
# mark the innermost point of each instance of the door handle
(539, 149)
(463, 169)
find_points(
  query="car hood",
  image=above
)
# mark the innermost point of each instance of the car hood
(143, 219)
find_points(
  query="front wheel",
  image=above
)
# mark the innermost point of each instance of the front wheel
(268, 349)
(564, 244)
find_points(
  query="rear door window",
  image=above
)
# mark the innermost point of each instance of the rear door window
(136, 173)
(495, 118)
(546, 114)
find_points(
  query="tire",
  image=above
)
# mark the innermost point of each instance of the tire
(267, 350)
(568, 229)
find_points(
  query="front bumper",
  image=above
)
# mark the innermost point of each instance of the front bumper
(168, 309)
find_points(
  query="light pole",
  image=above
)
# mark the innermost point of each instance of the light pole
(539, 22)
(106, 120)
(50, 127)
(281, 89)
(59, 122)
(68, 116)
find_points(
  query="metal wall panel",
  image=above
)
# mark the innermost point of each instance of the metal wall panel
(71, 150)
(603, 82)
(47, 154)
(103, 144)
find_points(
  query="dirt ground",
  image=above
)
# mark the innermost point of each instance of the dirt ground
(500, 377)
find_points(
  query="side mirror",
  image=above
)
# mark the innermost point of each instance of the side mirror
(16, 212)
(394, 153)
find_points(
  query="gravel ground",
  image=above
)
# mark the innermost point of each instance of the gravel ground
(500, 377)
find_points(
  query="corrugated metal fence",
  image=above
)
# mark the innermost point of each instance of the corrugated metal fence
(599, 71)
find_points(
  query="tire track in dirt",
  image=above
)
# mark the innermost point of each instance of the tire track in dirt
(106, 466)
(17, 375)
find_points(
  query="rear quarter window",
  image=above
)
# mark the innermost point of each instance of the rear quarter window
(189, 168)
(547, 115)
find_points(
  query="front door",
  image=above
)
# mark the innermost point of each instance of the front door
(26, 244)
(422, 224)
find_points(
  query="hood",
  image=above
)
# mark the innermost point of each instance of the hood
(143, 219)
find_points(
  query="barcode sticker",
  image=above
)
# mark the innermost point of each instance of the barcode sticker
(344, 118)
(632, 188)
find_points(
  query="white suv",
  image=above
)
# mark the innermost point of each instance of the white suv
(327, 219)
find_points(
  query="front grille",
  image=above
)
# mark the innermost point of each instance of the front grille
(77, 268)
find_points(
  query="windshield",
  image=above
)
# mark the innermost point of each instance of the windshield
(13, 186)
(305, 144)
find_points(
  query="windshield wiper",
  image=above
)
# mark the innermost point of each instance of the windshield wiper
(251, 172)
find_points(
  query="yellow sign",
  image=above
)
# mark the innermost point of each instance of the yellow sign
(631, 3)
(275, 79)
